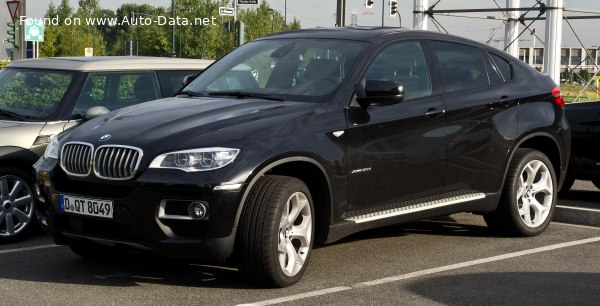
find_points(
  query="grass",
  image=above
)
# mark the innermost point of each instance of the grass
(571, 91)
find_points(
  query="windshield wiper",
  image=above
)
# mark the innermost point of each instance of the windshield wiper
(189, 93)
(12, 115)
(242, 95)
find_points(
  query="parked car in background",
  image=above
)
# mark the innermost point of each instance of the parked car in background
(584, 119)
(306, 137)
(41, 97)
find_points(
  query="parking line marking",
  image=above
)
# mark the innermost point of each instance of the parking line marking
(577, 225)
(45, 246)
(298, 296)
(578, 208)
(427, 272)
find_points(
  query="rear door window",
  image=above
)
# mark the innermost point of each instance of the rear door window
(460, 67)
(503, 66)
(115, 90)
(171, 81)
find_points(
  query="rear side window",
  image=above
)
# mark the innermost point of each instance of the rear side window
(460, 67)
(503, 66)
(172, 81)
(115, 90)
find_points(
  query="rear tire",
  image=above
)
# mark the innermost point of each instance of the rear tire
(17, 205)
(276, 232)
(528, 198)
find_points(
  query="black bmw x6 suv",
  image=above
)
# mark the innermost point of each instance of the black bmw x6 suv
(306, 137)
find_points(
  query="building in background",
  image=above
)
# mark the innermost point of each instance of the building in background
(575, 59)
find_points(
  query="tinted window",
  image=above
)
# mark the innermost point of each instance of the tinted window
(115, 90)
(503, 66)
(461, 67)
(405, 63)
(493, 73)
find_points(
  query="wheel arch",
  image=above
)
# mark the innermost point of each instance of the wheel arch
(546, 144)
(313, 174)
(16, 157)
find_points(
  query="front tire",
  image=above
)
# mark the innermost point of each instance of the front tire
(276, 232)
(17, 204)
(528, 198)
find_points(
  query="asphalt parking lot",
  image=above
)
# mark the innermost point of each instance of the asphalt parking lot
(451, 260)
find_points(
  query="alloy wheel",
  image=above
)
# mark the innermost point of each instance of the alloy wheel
(535, 193)
(16, 205)
(295, 234)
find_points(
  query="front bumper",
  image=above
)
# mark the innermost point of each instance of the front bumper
(137, 203)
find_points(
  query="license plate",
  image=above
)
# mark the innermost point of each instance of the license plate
(86, 206)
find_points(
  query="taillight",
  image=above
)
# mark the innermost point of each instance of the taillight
(558, 97)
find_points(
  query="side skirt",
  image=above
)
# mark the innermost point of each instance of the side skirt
(411, 211)
(415, 206)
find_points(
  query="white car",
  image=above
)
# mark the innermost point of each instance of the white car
(41, 97)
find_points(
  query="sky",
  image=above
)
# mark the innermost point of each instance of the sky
(321, 13)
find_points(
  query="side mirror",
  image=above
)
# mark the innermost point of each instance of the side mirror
(95, 111)
(188, 79)
(381, 92)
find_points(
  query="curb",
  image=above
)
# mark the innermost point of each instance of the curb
(577, 215)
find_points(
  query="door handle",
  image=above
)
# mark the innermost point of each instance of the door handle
(434, 112)
(504, 102)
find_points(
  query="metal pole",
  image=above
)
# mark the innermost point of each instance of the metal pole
(173, 54)
(285, 15)
(340, 18)
(420, 19)
(553, 38)
(511, 32)
(382, 11)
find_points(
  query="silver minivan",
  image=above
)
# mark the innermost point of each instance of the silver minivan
(40, 98)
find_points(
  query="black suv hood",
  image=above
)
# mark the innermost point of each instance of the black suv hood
(161, 122)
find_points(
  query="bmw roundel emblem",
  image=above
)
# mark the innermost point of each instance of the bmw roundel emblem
(105, 137)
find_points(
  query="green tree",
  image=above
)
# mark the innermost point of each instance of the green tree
(585, 75)
(195, 41)
(264, 21)
(64, 10)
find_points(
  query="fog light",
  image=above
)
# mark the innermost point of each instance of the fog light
(198, 210)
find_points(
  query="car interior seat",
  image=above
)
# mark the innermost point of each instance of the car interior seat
(143, 89)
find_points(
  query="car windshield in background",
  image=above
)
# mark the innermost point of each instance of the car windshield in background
(31, 94)
(290, 69)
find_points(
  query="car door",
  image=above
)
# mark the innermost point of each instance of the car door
(397, 152)
(481, 117)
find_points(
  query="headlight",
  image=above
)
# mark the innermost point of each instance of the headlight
(52, 148)
(196, 159)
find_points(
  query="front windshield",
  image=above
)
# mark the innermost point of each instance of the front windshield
(31, 94)
(294, 69)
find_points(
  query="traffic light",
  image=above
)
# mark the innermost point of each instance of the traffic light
(369, 3)
(13, 34)
(393, 8)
